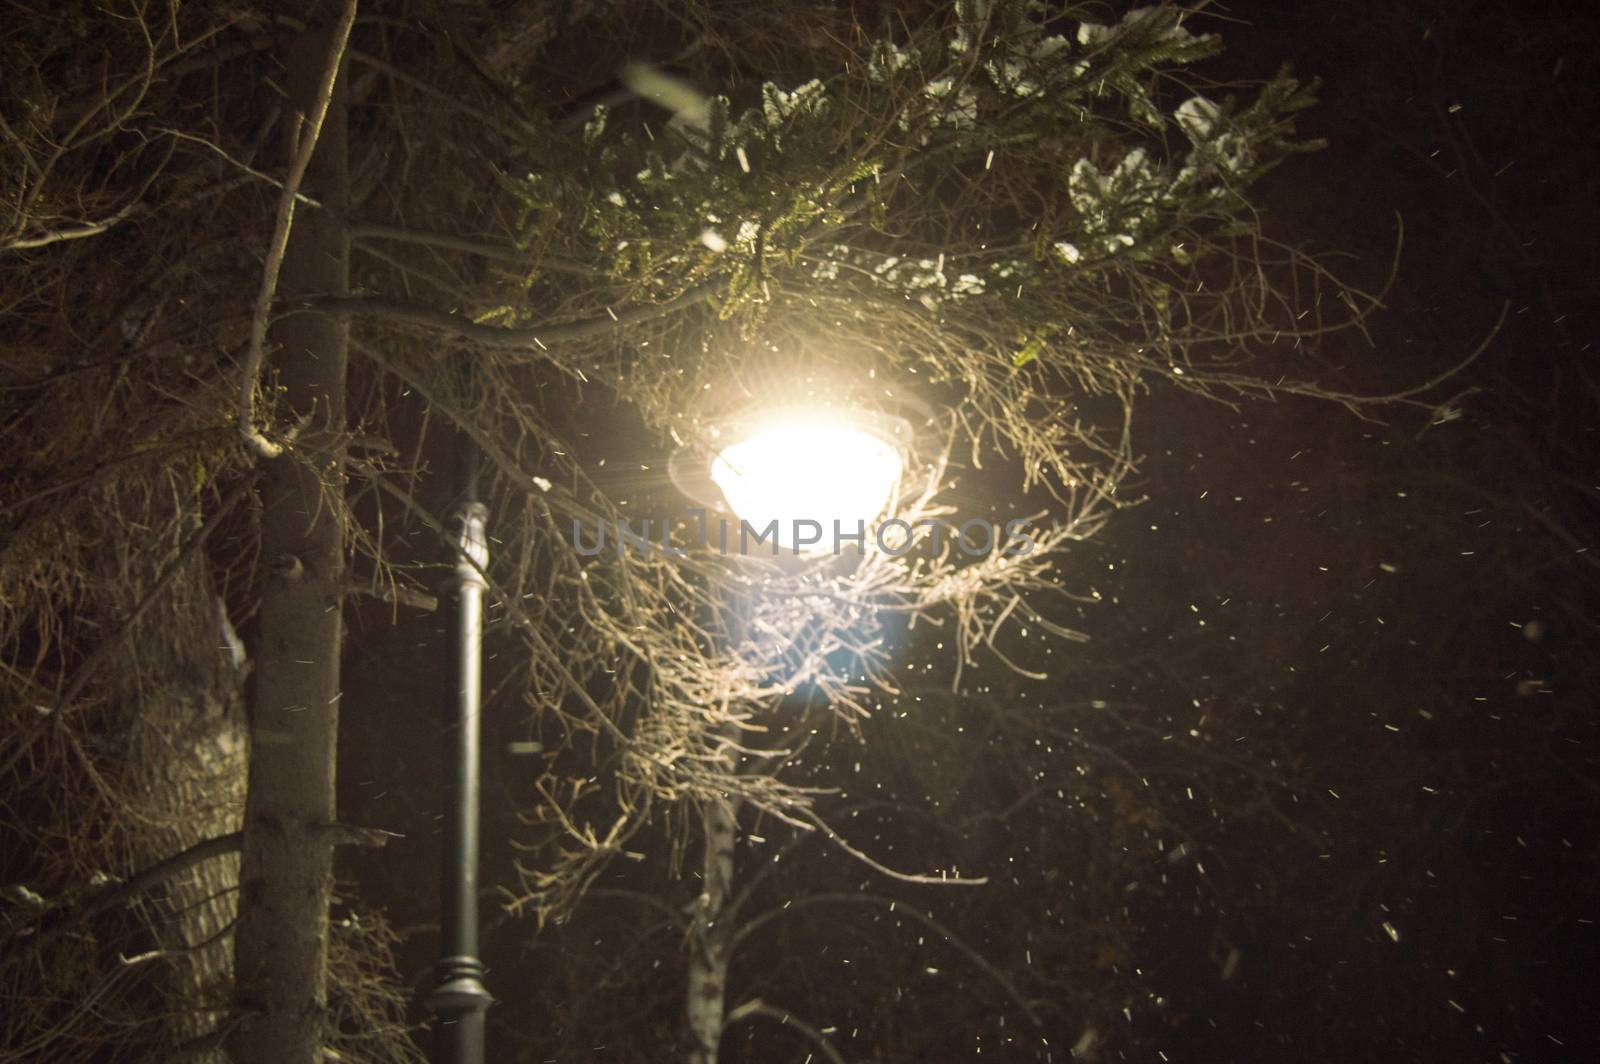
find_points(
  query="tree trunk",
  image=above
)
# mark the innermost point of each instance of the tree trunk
(188, 750)
(286, 872)
(183, 777)
(709, 939)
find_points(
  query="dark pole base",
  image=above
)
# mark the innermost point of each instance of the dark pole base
(458, 1004)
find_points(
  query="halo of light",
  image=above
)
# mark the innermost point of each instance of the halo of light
(800, 467)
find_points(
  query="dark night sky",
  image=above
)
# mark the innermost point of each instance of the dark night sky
(1388, 618)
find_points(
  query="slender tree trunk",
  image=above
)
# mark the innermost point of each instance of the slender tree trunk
(286, 873)
(709, 938)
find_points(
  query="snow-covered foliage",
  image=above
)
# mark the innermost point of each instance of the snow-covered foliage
(805, 176)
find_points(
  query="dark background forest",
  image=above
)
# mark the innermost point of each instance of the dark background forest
(1323, 782)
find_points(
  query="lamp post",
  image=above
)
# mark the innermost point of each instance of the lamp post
(459, 1000)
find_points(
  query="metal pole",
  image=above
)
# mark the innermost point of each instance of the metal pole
(459, 1000)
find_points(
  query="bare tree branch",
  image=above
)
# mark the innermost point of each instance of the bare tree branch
(757, 1007)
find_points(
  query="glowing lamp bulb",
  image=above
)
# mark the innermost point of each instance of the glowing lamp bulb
(808, 470)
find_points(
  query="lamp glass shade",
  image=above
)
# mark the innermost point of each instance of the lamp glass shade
(804, 470)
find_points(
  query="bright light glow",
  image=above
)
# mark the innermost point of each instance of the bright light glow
(808, 469)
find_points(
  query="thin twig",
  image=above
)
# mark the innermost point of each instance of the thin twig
(300, 197)
(757, 1007)
(905, 877)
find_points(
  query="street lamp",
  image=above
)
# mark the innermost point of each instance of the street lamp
(839, 468)
(459, 999)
